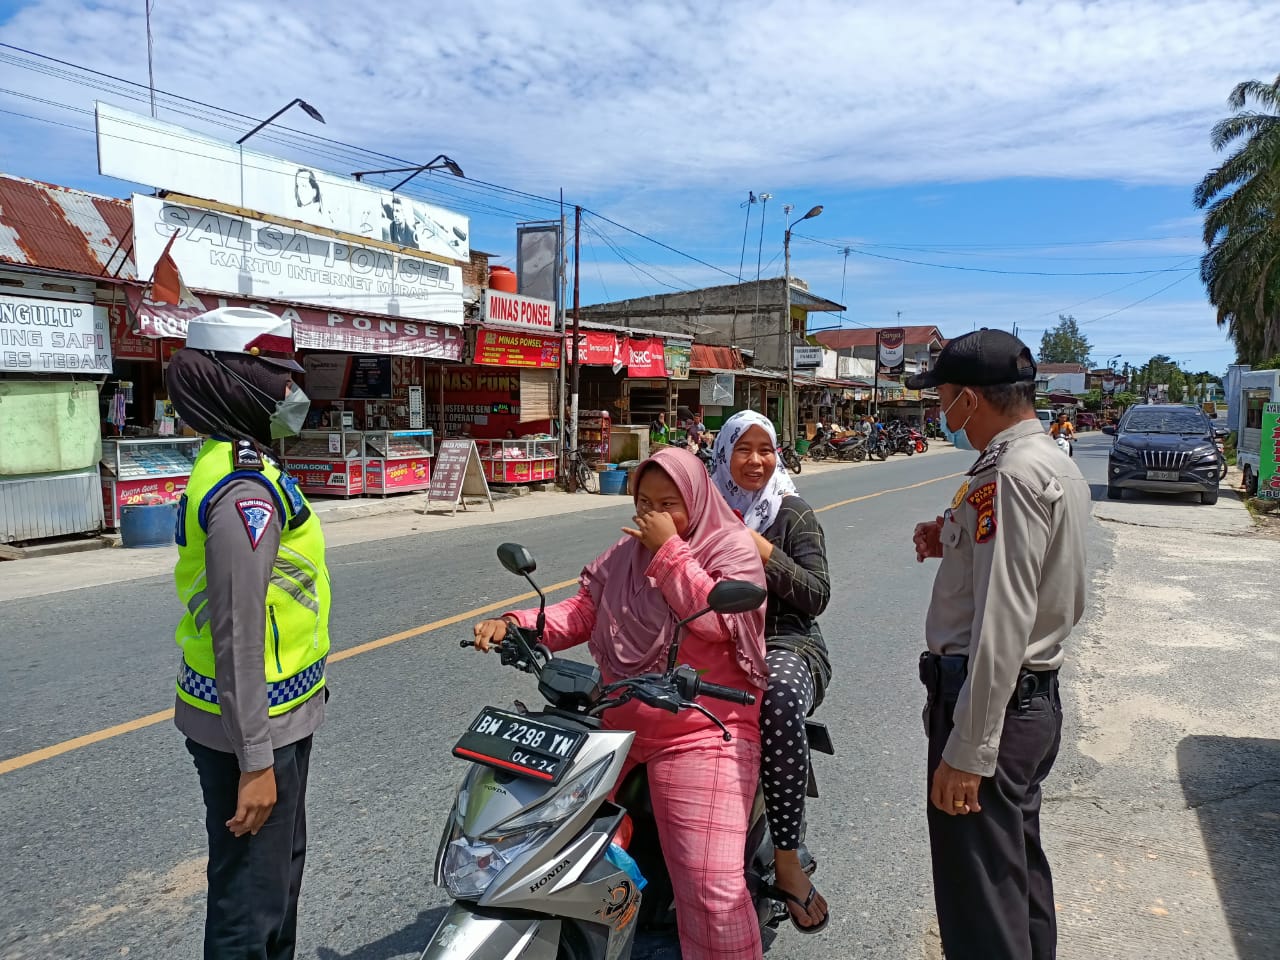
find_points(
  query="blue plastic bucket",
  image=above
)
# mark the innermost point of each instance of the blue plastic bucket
(148, 524)
(613, 482)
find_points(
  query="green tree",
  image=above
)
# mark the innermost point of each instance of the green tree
(1241, 197)
(1065, 343)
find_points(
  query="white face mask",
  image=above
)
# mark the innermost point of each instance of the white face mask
(959, 437)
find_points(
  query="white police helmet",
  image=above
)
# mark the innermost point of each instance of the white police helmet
(256, 333)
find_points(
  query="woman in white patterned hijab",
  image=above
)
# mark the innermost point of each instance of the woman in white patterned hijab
(755, 485)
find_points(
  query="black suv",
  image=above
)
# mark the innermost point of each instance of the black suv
(1164, 448)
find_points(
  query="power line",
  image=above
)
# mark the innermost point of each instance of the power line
(1018, 273)
(1135, 303)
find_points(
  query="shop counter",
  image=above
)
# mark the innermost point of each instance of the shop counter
(530, 460)
(398, 461)
(145, 470)
(326, 463)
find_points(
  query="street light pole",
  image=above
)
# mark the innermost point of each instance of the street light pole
(789, 424)
(311, 111)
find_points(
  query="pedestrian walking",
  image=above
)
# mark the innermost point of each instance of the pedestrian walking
(251, 574)
(1010, 588)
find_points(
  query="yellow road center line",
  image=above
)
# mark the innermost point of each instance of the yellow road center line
(881, 493)
(107, 733)
(66, 746)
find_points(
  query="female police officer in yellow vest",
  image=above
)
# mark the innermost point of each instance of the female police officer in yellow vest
(251, 574)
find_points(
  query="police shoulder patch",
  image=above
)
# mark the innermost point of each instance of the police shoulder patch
(983, 500)
(247, 456)
(256, 515)
(959, 497)
(990, 458)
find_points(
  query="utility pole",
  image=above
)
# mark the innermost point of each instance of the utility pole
(789, 423)
(764, 208)
(577, 328)
(151, 73)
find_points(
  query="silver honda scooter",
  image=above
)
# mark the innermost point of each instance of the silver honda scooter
(534, 852)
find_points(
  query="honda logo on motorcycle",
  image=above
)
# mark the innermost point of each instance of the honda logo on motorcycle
(549, 876)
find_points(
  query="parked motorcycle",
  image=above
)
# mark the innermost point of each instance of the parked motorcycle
(534, 851)
(707, 456)
(790, 459)
(917, 440)
(852, 447)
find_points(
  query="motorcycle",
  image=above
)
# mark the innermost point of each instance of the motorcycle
(1065, 445)
(853, 447)
(790, 459)
(535, 851)
(917, 440)
(707, 457)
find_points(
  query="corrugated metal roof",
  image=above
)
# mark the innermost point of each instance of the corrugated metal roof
(703, 356)
(847, 339)
(56, 228)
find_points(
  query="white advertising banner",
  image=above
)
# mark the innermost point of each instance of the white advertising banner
(513, 310)
(53, 336)
(139, 149)
(245, 257)
(806, 358)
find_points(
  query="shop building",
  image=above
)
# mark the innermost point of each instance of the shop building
(62, 263)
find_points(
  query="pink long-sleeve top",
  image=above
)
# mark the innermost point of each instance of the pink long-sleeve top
(709, 644)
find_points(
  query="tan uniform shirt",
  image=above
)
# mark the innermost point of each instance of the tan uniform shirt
(1011, 584)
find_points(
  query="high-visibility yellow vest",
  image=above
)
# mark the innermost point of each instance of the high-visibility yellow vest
(298, 596)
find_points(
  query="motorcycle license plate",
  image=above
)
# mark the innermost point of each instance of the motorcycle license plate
(1162, 474)
(525, 746)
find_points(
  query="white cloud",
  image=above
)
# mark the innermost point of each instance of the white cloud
(673, 94)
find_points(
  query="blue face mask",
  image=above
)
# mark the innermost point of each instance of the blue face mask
(958, 437)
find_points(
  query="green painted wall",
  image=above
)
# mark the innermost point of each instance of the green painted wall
(48, 426)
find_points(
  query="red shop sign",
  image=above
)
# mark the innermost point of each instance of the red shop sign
(314, 329)
(125, 344)
(497, 349)
(598, 350)
(646, 358)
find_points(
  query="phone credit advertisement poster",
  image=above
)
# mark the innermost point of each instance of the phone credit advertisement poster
(496, 348)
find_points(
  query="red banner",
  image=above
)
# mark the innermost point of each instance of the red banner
(125, 344)
(314, 329)
(598, 350)
(646, 358)
(497, 349)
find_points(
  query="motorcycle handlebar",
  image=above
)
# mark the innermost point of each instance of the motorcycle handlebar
(717, 692)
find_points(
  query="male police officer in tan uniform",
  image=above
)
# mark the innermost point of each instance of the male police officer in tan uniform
(1010, 587)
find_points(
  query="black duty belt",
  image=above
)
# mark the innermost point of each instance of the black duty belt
(944, 674)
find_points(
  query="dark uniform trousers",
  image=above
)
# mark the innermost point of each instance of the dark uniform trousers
(991, 880)
(254, 881)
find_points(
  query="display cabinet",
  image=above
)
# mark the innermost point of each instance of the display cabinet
(593, 435)
(529, 460)
(326, 463)
(145, 470)
(398, 461)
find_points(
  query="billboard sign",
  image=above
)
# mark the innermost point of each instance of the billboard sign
(678, 357)
(139, 149)
(1269, 453)
(891, 346)
(538, 260)
(53, 336)
(495, 348)
(514, 310)
(806, 358)
(313, 329)
(242, 256)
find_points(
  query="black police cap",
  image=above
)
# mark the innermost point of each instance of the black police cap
(983, 358)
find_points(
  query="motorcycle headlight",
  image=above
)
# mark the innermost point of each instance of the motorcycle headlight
(471, 865)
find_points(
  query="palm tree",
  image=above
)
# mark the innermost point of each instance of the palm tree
(1241, 269)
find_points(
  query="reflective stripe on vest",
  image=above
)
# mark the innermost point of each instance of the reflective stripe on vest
(282, 691)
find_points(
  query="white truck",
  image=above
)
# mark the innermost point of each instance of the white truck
(1248, 391)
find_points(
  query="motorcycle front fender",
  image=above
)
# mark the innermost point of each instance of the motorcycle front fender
(470, 933)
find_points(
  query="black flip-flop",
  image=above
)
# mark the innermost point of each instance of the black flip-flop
(777, 893)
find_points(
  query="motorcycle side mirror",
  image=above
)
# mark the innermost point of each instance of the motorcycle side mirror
(516, 559)
(735, 596)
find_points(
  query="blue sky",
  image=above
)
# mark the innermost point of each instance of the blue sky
(1013, 139)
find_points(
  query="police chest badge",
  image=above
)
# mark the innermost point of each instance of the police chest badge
(256, 515)
(983, 500)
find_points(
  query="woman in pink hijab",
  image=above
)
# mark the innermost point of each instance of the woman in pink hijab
(685, 539)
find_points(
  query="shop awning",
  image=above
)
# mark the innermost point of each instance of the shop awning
(313, 328)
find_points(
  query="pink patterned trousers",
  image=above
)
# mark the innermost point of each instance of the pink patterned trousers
(702, 794)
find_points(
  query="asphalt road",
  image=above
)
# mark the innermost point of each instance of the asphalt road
(102, 848)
